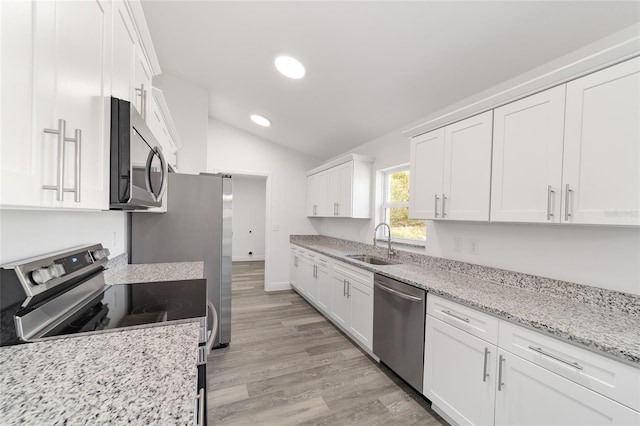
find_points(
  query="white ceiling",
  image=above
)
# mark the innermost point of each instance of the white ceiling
(372, 66)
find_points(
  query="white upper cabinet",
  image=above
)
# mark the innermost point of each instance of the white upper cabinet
(62, 160)
(601, 174)
(527, 158)
(340, 189)
(317, 194)
(451, 171)
(161, 124)
(124, 52)
(467, 168)
(426, 171)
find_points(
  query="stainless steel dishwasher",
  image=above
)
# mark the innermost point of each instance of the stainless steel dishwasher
(398, 328)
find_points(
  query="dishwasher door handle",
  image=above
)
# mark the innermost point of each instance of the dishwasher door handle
(398, 293)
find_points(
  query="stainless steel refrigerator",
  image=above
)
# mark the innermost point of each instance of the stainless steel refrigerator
(196, 227)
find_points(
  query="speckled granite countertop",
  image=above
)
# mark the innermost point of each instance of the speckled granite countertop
(131, 376)
(120, 272)
(140, 377)
(603, 321)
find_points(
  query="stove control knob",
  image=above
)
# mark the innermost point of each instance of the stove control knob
(42, 275)
(101, 254)
(56, 270)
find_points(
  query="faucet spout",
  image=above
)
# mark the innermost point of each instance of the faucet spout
(390, 251)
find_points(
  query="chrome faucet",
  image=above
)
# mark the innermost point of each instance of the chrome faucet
(391, 252)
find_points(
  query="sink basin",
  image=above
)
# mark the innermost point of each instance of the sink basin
(372, 259)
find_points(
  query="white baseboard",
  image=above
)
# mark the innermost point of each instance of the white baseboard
(278, 286)
(247, 258)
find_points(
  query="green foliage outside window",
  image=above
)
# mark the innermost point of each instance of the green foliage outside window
(398, 217)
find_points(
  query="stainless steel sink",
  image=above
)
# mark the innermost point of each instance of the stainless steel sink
(372, 259)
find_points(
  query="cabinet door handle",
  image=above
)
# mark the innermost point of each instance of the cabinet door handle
(62, 129)
(344, 287)
(295, 261)
(348, 289)
(338, 209)
(550, 193)
(456, 316)
(143, 101)
(567, 191)
(77, 176)
(484, 368)
(557, 358)
(444, 200)
(435, 205)
(500, 382)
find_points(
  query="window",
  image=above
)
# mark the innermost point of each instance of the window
(395, 208)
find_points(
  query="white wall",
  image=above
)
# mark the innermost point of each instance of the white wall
(238, 152)
(28, 233)
(189, 108)
(249, 216)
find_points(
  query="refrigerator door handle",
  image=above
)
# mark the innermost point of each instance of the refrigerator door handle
(214, 328)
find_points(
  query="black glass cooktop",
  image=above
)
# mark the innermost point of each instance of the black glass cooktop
(128, 305)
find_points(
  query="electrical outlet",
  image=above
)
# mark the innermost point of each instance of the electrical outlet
(474, 246)
(457, 244)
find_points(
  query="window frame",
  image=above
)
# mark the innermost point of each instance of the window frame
(384, 205)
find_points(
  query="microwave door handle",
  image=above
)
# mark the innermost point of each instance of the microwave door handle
(163, 166)
(147, 175)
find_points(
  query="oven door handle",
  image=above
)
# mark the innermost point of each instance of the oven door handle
(214, 328)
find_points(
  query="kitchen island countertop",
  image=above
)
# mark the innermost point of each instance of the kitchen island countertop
(118, 271)
(130, 376)
(140, 377)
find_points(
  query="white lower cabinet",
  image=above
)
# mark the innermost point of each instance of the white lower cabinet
(361, 305)
(339, 302)
(460, 370)
(308, 273)
(344, 293)
(323, 277)
(294, 269)
(532, 395)
(472, 381)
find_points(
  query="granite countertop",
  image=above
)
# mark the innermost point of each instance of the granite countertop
(130, 376)
(610, 326)
(120, 272)
(142, 377)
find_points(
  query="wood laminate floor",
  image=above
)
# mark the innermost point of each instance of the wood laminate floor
(288, 365)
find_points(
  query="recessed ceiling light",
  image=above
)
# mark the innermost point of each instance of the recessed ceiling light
(290, 67)
(260, 120)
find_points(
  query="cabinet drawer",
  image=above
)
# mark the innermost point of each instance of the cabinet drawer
(470, 320)
(618, 381)
(323, 260)
(353, 272)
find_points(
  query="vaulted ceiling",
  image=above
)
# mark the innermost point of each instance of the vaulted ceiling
(372, 66)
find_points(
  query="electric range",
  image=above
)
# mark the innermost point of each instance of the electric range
(64, 294)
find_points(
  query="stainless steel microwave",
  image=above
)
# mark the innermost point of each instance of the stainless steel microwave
(138, 178)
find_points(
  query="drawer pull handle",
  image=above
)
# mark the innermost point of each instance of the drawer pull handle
(456, 316)
(572, 364)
